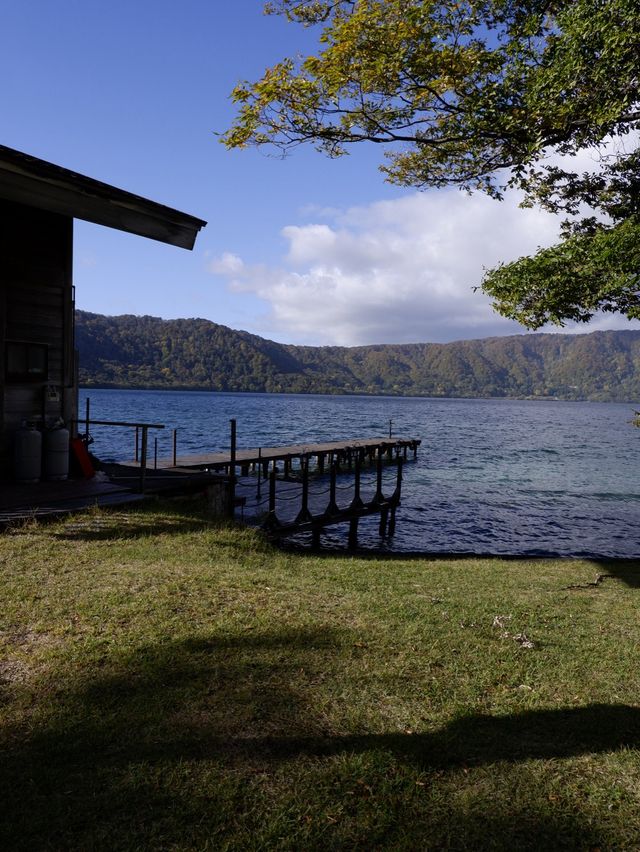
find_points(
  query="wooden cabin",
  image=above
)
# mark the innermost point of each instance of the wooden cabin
(38, 203)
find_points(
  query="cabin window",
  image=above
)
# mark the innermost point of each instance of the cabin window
(26, 362)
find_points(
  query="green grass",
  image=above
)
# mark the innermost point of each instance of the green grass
(168, 684)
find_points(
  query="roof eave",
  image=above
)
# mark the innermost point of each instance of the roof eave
(28, 180)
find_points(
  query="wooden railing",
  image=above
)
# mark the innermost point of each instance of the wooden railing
(141, 428)
(305, 521)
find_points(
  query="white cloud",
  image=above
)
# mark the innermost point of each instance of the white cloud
(394, 271)
(593, 158)
(226, 264)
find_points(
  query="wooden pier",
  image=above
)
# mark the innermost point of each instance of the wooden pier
(341, 453)
(294, 462)
(333, 457)
(351, 513)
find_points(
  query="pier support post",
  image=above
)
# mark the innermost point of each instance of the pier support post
(259, 471)
(396, 494)
(304, 515)
(272, 489)
(378, 496)
(271, 521)
(353, 533)
(395, 500)
(357, 503)
(332, 508)
(87, 421)
(232, 471)
(143, 459)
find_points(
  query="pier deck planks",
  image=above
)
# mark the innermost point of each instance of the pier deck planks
(267, 454)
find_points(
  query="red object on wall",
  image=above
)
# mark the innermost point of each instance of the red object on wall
(81, 459)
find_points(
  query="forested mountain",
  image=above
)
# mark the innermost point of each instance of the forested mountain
(147, 352)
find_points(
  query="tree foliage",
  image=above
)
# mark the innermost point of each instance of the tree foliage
(571, 281)
(479, 94)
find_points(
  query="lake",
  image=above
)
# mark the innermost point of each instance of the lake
(492, 476)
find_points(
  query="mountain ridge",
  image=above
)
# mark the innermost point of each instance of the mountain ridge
(197, 354)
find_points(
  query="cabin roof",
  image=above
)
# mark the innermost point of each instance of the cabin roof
(38, 183)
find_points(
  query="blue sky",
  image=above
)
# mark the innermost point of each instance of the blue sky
(301, 249)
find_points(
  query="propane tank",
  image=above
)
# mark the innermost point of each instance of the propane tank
(27, 453)
(55, 453)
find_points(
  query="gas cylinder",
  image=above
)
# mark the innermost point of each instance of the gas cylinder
(55, 453)
(27, 453)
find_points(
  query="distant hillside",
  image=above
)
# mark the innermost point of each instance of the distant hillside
(147, 352)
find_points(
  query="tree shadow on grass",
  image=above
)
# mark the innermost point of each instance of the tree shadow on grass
(142, 521)
(199, 742)
(479, 739)
(626, 570)
(119, 752)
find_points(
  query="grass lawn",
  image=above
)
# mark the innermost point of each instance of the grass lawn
(168, 684)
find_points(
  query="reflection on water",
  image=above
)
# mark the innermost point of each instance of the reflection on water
(492, 476)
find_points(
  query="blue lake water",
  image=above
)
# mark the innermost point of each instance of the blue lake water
(492, 476)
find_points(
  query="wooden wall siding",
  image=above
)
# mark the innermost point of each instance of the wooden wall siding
(36, 306)
(36, 315)
(29, 403)
(6, 449)
(3, 451)
(69, 360)
(35, 244)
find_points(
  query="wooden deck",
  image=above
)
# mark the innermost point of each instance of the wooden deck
(339, 451)
(121, 486)
(124, 483)
(48, 499)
